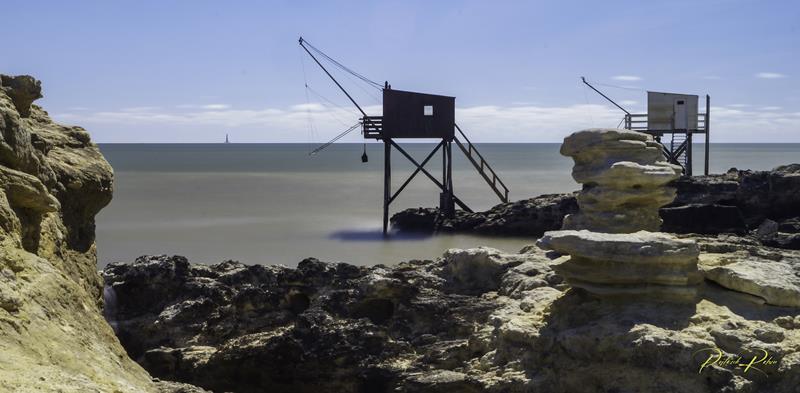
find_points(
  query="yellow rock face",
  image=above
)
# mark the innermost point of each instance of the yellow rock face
(53, 180)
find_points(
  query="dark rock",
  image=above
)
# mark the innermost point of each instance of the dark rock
(415, 220)
(440, 381)
(733, 202)
(790, 241)
(791, 225)
(322, 327)
(528, 217)
(703, 219)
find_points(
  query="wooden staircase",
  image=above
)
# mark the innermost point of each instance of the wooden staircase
(482, 166)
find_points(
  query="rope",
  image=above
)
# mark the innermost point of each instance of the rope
(312, 132)
(336, 138)
(618, 87)
(586, 97)
(344, 68)
(314, 92)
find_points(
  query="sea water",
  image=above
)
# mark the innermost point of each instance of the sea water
(275, 204)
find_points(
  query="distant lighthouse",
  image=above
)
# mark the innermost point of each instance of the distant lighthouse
(226, 139)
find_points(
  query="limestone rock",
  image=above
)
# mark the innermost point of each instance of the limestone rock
(477, 270)
(778, 283)
(624, 176)
(53, 180)
(642, 263)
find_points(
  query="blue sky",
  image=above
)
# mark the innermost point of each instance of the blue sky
(190, 71)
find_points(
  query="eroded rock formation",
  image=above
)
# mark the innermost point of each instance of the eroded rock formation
(640, 264)
(618, 252)
(53, 180)
(624, 177)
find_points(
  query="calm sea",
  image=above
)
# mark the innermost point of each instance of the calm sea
(274, 204)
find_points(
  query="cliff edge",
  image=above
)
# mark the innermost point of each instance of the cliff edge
(53, 180)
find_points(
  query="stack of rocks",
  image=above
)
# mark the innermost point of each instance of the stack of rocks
(613, 245)
(623, 175)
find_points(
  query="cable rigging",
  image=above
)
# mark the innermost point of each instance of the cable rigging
(309, 48)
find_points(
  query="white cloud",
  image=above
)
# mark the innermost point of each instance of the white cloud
(739, 105)
(627, 78)
(489, 123)
(770, 75)
(206, 106)
(216, 106)
(771, 108)
(628, 102)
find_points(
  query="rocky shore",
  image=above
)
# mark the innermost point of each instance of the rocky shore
(606, 304)
(476, 320)
(763, 204)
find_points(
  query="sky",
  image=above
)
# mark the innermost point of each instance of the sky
(192, 71)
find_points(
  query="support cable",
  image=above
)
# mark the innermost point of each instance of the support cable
(336, 138)
(343, 67)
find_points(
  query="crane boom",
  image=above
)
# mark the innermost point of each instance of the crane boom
(302, 43)
(604, 96)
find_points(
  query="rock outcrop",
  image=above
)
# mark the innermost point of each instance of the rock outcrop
(624, 177)
(53, 180)
(528, 217)
(737, 202)
(472, 321)
(640, 264)
(734, 202)
(616, 253)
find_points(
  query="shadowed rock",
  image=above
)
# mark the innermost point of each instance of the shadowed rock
(474, 320)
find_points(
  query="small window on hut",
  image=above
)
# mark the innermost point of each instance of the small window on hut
(427, 110)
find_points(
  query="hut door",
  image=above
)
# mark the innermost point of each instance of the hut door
(681, 118)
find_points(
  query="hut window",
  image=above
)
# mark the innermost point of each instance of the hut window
(427, 110)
